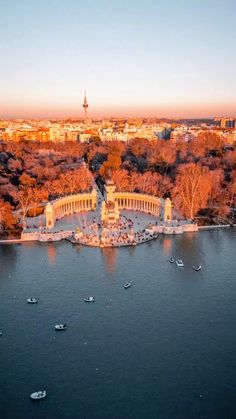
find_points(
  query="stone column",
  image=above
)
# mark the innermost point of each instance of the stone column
(94, 199)
(49, 214)
(167, 210)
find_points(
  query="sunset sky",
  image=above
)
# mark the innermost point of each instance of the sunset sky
(134, 57)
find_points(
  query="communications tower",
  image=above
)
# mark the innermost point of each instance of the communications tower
(85, 106)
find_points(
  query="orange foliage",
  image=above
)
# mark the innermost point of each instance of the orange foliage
(192, 189)
(7, 219)
(149, 182)
(72, 181)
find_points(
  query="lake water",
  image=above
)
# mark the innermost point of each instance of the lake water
(165, 348)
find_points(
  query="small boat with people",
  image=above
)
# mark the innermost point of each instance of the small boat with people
(32, 300)
(171, 260)
(38, 395)
(127, 285)
(197, 268)
(89, 300)
(60, 327)
(179, 263)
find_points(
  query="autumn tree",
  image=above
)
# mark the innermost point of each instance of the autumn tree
(139, 147)
(38, 195)
(23, 199)
(148, 182)
(231, 189)
(26, 181)
(7, 219)
(192, 188)
(121, 179)
(14, 165)
(161, 154)
(112, 163)
(72, 181)
(216, 178)
(164, 186)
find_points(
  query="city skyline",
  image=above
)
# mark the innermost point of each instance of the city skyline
(152, 59)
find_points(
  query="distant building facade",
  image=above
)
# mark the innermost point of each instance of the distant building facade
(227, 123)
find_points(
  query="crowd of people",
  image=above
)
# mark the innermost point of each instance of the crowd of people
(120, 233)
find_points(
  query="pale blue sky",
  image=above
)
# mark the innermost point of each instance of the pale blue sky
(134, 56)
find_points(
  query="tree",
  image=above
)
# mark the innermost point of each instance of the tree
(7, 219)
(72, 181)
(112, 163)
(38, 195)
(192, 188)
(23, 198)
(121, 179)
(232, 191)
(26, 181)
(165, 186)
(162, 154)
(139, 147)
(14, 165)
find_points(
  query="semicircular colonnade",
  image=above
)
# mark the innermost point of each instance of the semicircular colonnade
(145, 203)
(138, 202)
(69, 204)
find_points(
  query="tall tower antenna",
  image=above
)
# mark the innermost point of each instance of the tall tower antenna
(85, 105)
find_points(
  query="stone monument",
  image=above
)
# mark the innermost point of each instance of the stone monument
(110, 212)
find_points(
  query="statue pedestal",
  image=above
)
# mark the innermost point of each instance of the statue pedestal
(110, 212)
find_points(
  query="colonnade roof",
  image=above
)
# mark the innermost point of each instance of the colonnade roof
(71, 198)
(137, 195)
(93, 194)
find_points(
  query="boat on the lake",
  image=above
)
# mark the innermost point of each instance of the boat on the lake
(1, 332)
(60, 327)
(89, 300)
(197, 268)
(171, 260)
(38, 395)
(179, 263)
(127, 285)
(32, 300)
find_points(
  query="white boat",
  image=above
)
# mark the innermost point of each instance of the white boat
(38, 395)
(197, 268)
(32, 300)
(1, 332)
(60, 327)
(171, 260)
(127, 285)
(179, 263)
(89, 300)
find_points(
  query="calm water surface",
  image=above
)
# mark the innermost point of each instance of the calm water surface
(165, 348)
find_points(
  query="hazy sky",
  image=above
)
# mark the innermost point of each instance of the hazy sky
(133, 57)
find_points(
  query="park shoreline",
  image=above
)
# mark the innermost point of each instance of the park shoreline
(200, 228)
